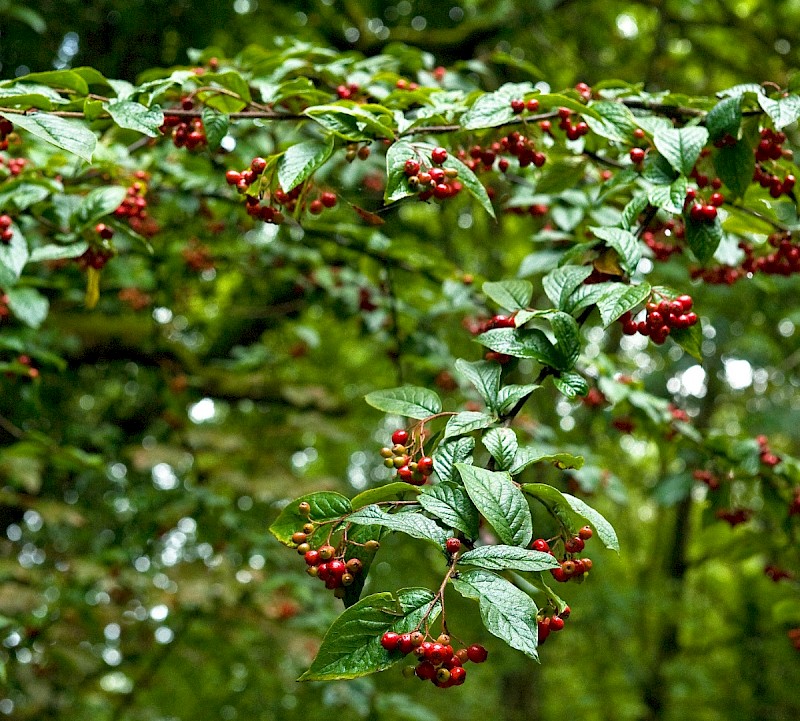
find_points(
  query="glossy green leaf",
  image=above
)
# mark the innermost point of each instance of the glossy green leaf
(388, 492)
(491, 110)
(621, 298)
(69, 135)
(301, 161)
(510, 294)
(466, 422)
(28, 305)
(58, 252)
(135, 116)
(13, 257)
(499, 500)
(450, 503)
(634, 208)
(681, 146)
(97, 204)
(352, 122)
(571, 384)
(510, 395)
(604, 530)
(725, 118)
(448, 453)
(471, 184)
(533, 454)
(325, 506)
(413, 524)
(352, 645)
(408, 401)
(561, 283)
(216, 127)
(702, 238)
(502, 444)
(690, 339)
(783, 111)
(67, 79)
(735, 165)
(669, 197)
(237, 98)
(627, 245)
(501, 558)
(521, 343)
(485, 376)
(507, 612)
(397, 186)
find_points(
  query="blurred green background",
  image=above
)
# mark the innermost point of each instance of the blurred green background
(139, 581)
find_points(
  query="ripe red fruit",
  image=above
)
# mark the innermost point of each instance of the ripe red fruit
(574, 545)
(315, 207)
(457, 675)
(540, 545)
(5, 221)
(404, 473)
(104, 231)
(716, 199)
(543, 626)
(258, 165)
(441, 191)
(438, 156)
(556, 623)
(477, 653)
(637, 155)
(312, 558)
(585, 533)
(425, 670)
(389, 640)
(532, 105)
(328, 199)
(425, 465)
(404, 643)
(517, 105)
(400, 437)
(437, 654)
(453, 545)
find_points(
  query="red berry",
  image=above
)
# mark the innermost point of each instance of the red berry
(517, 105)
(400, 437)
(5, 221)
(328, 199)
(540, 545)
(458, 675)
(532, 105)
(389, 640)
(315, 207)
(543, 626)
(556, 623)
(404, 473)
(404, 643)
(716, 199)
(425, 670)
(437, 654)
(438, 156)
(104, 231)
(574, 545)
(637, 155)
(586, 533)
(441, 191)
(312, 558)
(258, 165)
(477, 653)
(425, 465)
(453, 545)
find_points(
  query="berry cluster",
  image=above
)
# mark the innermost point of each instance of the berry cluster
(784, 261)
(770, 148)
(734, 516)
(703, 212)
(547, 624)
(572, 130)
(134, 207)
(708, 477)
(415, 472)
(767, 457)
(15, 165)
(523, 149)
(438, 662)
(6, 234)
(519, 106)
(354, 150)
(571, 567)
(6, 128)
(346, 92)
(661, 318)
(327, 563)
(403, 84)
(655, 238)
(435, 181)
(94, 257)
(26, 361)
(185, 133)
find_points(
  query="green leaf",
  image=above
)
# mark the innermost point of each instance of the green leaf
(605, 531)
(690, 339)
(528, 455)
(351, 122)
(20, 195)
(501, 558)
(68, 79)
(521, 343)
(13, 257)
(325, 506)
(408, 401)
(225, 103)
(28, 305)
(620, 299)
(397, 186)
(681, 146)
(556, 504)
(448, 453)
(510, 294)
(58, 252)
(216, 126)
(388, 492)
(571, 384)
(562, 175)
(413, 523)
(510, 395)
(632, 211)
(617, 121)
(626, 244)
(69, 135)
(553, 100)
(301, 161)
(352, 645)
(450, 503)
(783, 111)
(466, 422)
(560, 283)
(702, 238)
(135, 116)
(725, 118)
(502, 444)
(499, 500)
(669, 197)
(97, 204)
(485, 376)
(585, 296)
(359, 535)
(568, 338)
(507, 612)
(489, 111)
(735, 165)
(471, 184)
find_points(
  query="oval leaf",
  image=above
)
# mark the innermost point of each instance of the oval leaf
(325, 506)
(69, 135)
(413, 524)
(501, 558)
(605, 531)
(451, 504)
(408, 401)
